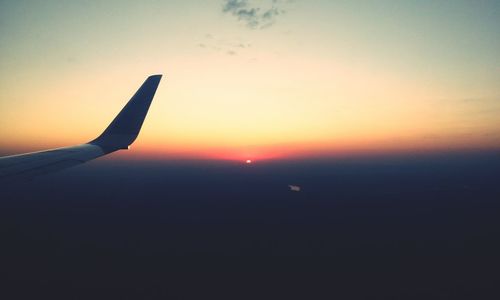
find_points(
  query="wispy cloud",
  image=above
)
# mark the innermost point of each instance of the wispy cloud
(228, 46)
(255, 15)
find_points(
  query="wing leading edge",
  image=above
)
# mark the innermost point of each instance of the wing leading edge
(120, 134)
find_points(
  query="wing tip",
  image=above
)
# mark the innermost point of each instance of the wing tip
(125, 127)
(155, 76)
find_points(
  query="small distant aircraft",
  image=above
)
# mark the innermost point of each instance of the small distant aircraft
(120, 134)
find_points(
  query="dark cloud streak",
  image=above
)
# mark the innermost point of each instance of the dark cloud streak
(253, 16)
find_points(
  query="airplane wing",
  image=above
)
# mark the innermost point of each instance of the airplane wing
(120, 134)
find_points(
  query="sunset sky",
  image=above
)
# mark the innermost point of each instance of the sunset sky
(253, 79)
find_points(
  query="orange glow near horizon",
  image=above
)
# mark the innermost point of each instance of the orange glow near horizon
(145, 148)
(202, 127)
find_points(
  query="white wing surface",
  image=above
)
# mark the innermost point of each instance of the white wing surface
(120, 134)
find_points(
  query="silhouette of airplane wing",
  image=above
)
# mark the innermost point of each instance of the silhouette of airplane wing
(120, 134)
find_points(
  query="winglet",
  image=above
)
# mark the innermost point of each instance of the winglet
(124, 129)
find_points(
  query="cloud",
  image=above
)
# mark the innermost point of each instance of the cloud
(227, 46)
(252, 15)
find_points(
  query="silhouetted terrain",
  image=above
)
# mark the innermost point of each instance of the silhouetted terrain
(405, 228)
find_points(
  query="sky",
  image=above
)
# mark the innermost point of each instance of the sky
(250, 79)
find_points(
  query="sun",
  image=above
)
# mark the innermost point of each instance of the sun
(248, 161)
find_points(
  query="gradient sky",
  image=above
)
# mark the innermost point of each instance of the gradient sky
(254, 79)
